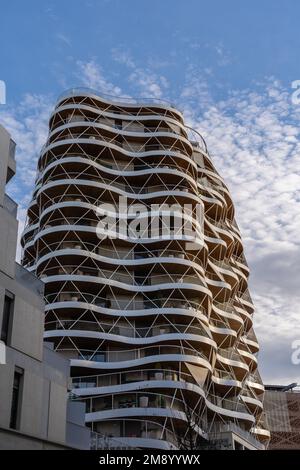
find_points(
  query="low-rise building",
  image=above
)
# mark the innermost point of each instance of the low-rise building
(282, 405)
(34, 409)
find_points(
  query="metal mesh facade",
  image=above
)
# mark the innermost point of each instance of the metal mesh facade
(283, 412)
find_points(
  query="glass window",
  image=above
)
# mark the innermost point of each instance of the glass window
(16, 398)
(6, 326)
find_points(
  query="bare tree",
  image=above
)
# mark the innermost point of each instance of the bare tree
(189, 437)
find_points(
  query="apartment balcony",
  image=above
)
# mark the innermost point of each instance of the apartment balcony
(220, 429)
(132, 433)
(92, 382)
(132, 106)
(90, 359)
(123, 330)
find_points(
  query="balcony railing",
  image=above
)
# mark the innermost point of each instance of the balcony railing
(126, 146)
(224, 375)
(191, 229)
(126, 278)
(115, 99)
(119, 378)
(240, 259)
(230, 354)
(122, 400)
(220, 428)
(168, 302)
(100, 441)
(129, 354)
(122, 330)
(234, 404)
(125, 126)
(131, 428)
(117, 253)
(130, 167)
(125, 187)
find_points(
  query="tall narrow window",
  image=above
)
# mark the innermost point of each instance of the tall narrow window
(7, 317)
(16, 401)
(118, 123)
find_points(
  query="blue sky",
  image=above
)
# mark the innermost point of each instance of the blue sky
(42, 40)
(228, 66)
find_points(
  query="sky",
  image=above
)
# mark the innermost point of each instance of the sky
(229, 67)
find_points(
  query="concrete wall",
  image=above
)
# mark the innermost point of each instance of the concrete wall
(4, 152)
(28, 315)
(43, 411)
(14, 440)
(78, 436)
(44, 397)
(48, 420)
(7, 161)
(8, 222)
(8, 241)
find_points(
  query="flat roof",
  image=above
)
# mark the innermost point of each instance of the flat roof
(282, 388)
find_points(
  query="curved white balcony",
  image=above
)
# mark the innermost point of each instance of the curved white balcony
(224, 406)
(78, 300)
(226, 379)
(143, 152)
(233, 360)
(156, 354)
(107, 257)
(130, 380)
(94, 115)
(119, 171)
(252, 402)
(85, 229)
(86, 128)
(122, 338)
(147, 434)
(128, 283)
(131, 332)
(250, 341)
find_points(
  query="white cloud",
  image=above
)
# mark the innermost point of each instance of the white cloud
(122, 57)
(254, 140)
(27, 124)
(224, 57)
(145, 82)
(91, 75)
(64, 39)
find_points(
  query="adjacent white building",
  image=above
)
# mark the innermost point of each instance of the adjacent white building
(34, 379)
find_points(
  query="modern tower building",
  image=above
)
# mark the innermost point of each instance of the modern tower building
(153, 312)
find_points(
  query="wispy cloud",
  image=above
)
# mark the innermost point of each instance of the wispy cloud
(91, 75)
(64, 39)
(223, 56)
(27, 124)
(254, 140)
(145, 81)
